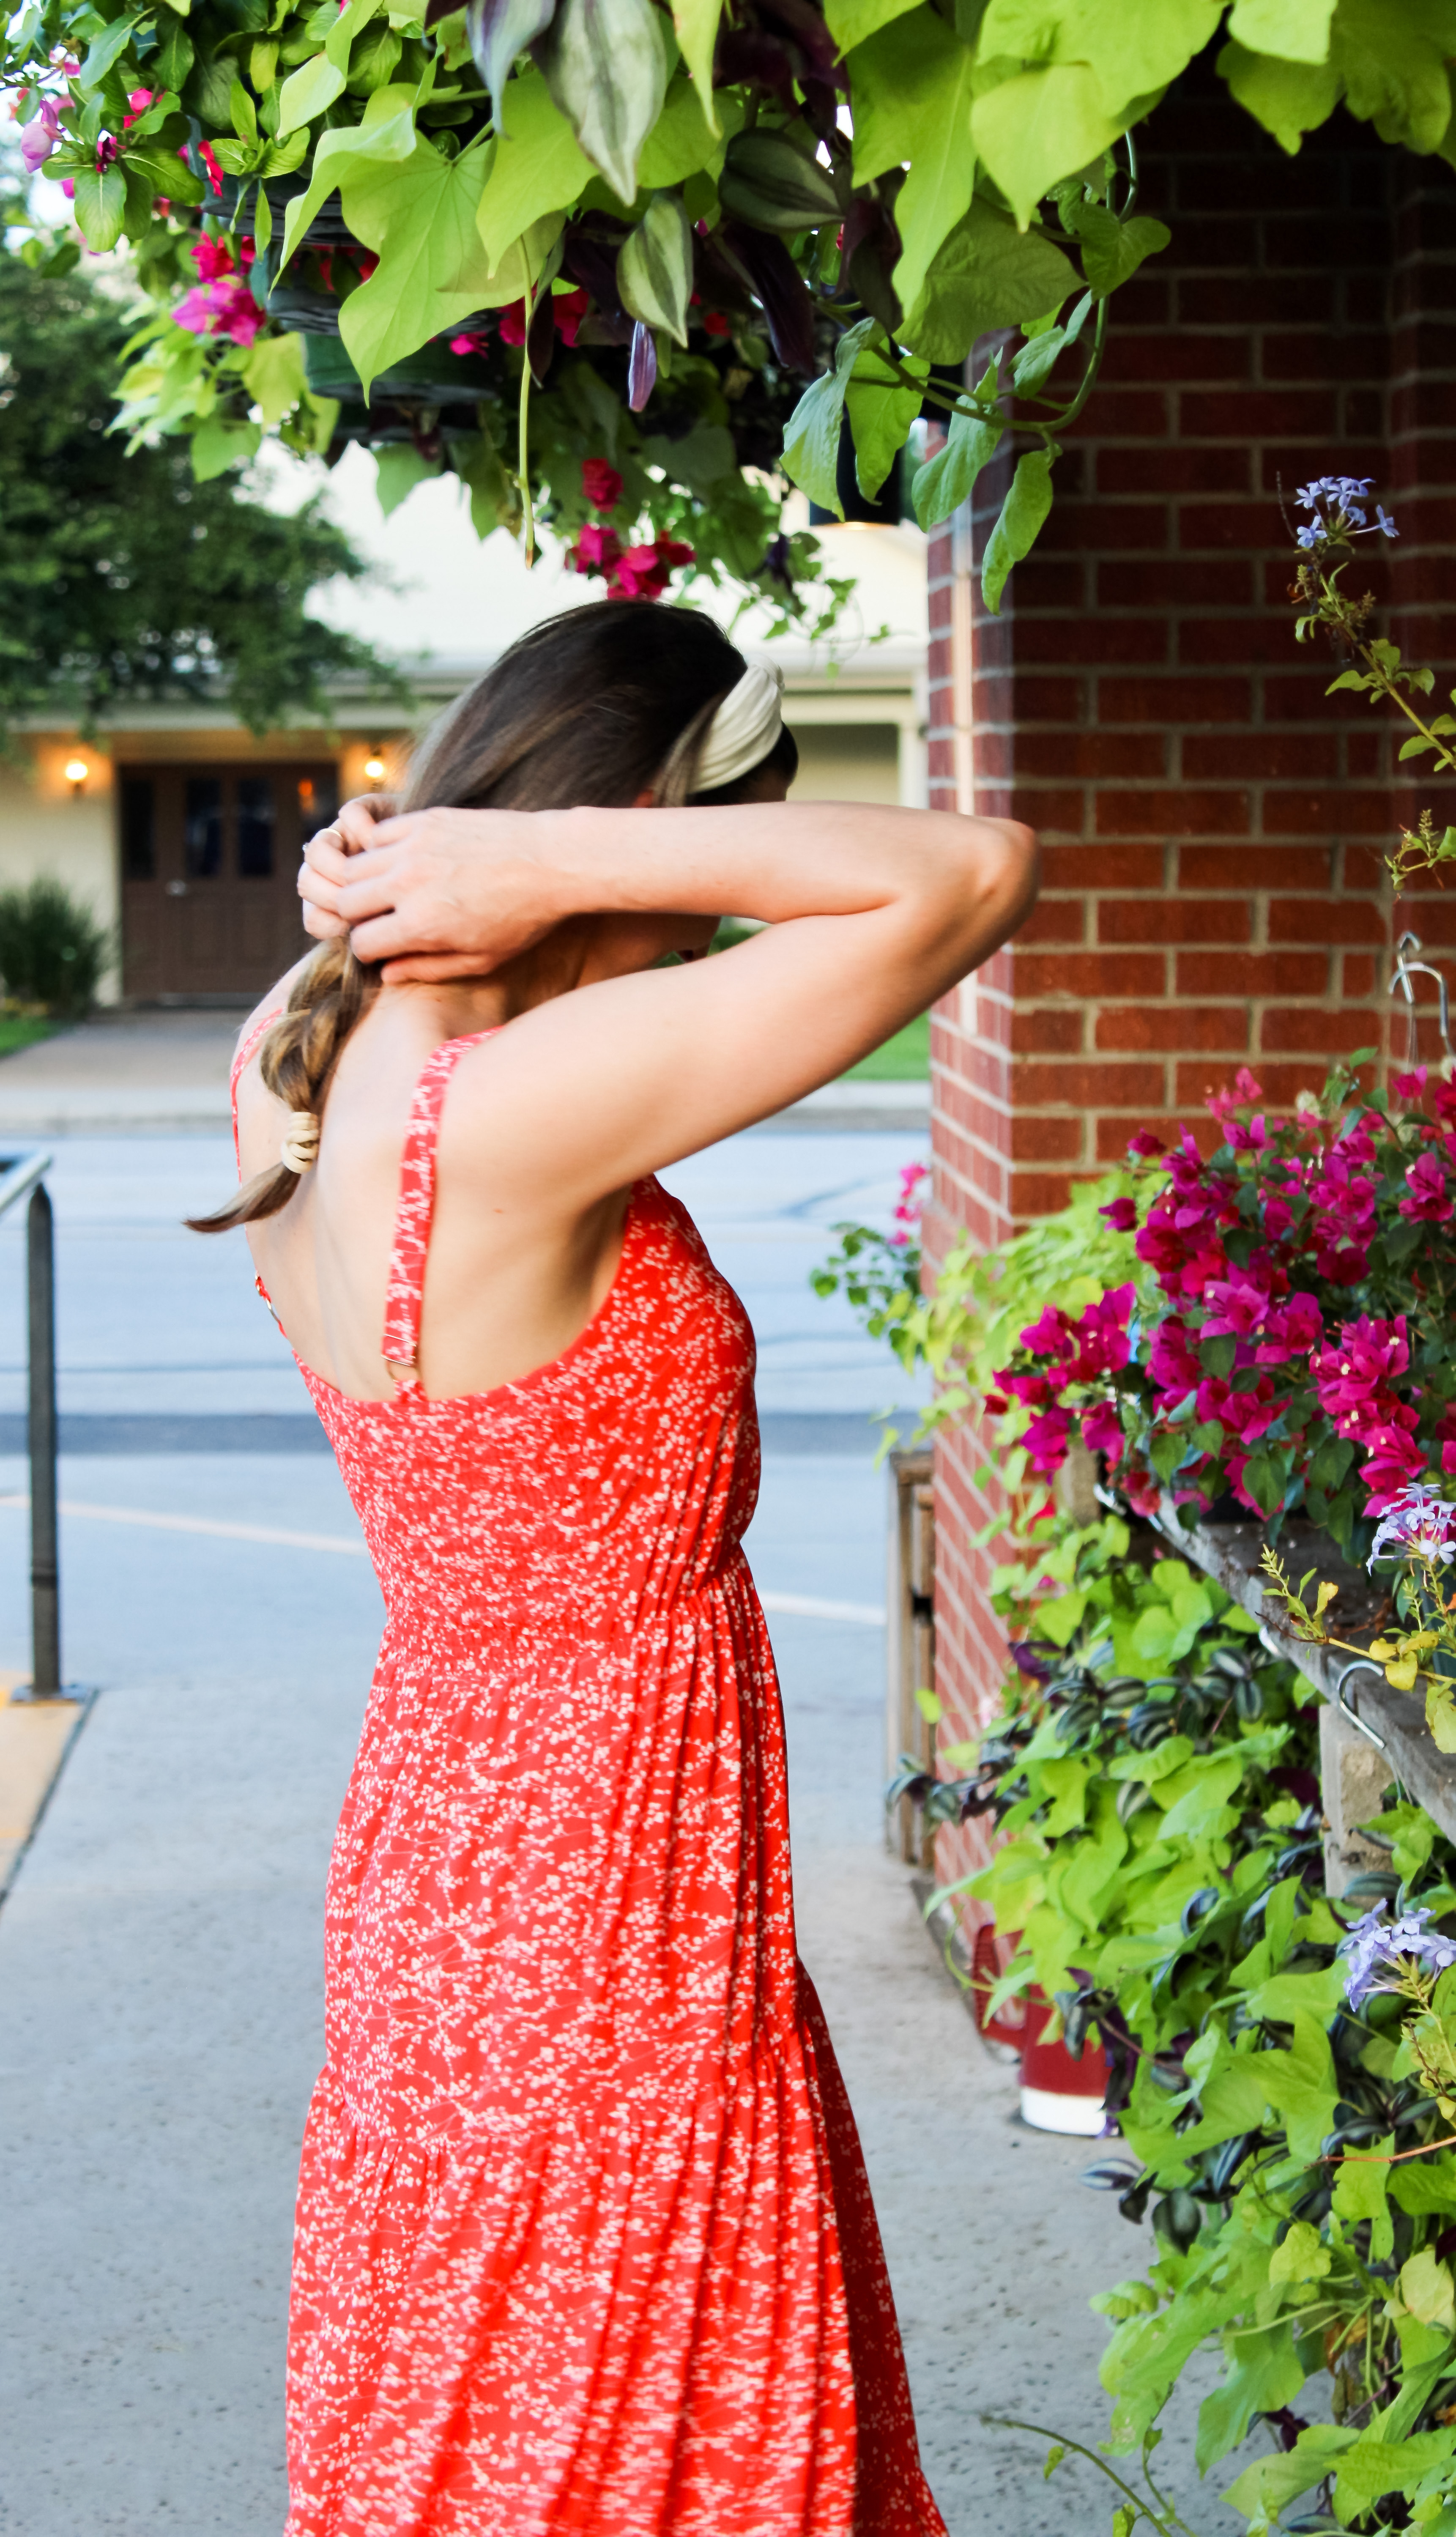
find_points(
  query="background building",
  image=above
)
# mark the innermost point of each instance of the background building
(184, 831)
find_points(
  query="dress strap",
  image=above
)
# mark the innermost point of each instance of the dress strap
(246, 1052)
(418, 1200)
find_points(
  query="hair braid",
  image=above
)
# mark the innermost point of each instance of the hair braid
(297, 1061)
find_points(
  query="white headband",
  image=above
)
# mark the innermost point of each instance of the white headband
(743, 731)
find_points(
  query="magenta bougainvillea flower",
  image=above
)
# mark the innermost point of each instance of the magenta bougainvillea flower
(1429, 1202)
(601, 484)
(909, 1204)
(223, 302)
(1289, 1341)
(630, 572)
(40, 137)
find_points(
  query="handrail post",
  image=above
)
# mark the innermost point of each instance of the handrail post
(45, 1601)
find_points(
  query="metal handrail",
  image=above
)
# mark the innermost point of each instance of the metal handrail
(21, 1172)
(24, 1175)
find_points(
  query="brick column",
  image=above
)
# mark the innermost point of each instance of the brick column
(1421, 440)
(1212, 825)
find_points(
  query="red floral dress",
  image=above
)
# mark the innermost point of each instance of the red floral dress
(584, 2238)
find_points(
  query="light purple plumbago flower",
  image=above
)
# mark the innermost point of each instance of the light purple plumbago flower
(1342, 492)
(1417, 1525)
(1336, 502)
(1375, 1945)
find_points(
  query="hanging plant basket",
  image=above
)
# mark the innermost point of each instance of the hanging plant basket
(434, 376)
(237, 202)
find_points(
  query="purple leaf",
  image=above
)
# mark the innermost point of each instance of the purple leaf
(775, 277)
(642, 367)
(497, 30)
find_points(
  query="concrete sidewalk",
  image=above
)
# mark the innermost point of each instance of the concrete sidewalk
(161, 1070)
(164, 1071)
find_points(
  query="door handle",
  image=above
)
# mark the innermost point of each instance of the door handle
(176, 889)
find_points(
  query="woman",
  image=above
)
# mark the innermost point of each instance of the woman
(583, 2243)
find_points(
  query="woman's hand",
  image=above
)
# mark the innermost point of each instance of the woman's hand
(326, 860)
(431, 894)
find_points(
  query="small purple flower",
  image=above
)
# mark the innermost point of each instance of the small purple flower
(1336, 502)
(1417, 1525)
(1376, 1945)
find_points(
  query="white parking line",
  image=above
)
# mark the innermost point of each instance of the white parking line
(812, 1608)
(204, 1524)
(809, 1607)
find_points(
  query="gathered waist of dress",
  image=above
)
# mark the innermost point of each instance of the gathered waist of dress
(466, 1614)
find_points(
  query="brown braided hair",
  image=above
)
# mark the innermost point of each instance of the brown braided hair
(297, 1059)
(598, 705)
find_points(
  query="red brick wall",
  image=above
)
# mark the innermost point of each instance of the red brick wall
(1211, 824)
(1422, 473)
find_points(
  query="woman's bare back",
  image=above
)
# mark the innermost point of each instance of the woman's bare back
(510, 1283)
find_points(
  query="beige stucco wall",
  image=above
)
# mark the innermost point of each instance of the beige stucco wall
(47, 825)
(50, 825)
(846, 762)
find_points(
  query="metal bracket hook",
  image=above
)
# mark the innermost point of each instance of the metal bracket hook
(1408, 967)
(1362, 1664)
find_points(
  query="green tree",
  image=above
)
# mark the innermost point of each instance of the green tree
(123, 577)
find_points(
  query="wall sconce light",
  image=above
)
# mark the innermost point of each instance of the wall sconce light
(374, 766)
(77, 771)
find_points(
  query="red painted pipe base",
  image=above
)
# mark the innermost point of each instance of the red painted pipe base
(1059, 2093)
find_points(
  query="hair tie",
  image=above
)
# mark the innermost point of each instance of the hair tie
(743, 731)
(301, 1143)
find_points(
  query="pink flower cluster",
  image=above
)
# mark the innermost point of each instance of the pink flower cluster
(909, 1204)
(222, 303)
(630, 572)
(1082, 1351)
(40, 137)
(1261, 1344)
(1356, 1381)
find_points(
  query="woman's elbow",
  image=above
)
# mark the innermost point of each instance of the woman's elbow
(1001, 873)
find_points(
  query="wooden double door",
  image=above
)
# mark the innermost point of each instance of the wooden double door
(209, 871)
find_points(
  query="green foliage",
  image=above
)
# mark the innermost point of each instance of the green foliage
(987, 181)
(22, 1030)
(52, 949)
(1132, 1768)
(970, 1324)
(1159, 1866)
(1383, 676)
(122, 578)
(880, 1278)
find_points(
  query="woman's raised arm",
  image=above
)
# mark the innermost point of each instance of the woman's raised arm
(870, 913)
